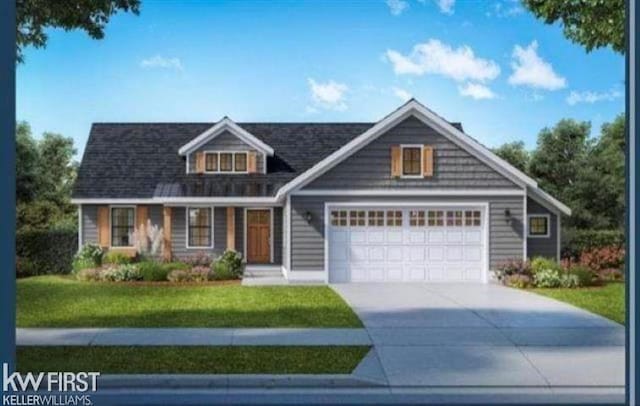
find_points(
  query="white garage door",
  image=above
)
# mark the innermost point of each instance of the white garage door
(406, 244)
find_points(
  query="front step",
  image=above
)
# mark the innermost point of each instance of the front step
(262, 271)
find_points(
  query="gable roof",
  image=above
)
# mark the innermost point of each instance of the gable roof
(141, 160)
(226, 124)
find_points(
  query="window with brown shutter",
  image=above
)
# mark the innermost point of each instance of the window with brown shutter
(226, 162)
(211, 162)
(411, 161)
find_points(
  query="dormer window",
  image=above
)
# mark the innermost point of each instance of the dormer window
(225, 162)
(211, 162)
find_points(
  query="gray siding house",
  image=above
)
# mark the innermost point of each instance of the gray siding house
(410, 198)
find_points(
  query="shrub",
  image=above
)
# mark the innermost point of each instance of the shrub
(152, 271)
(540, 264)
(200, 274)
(519, 281)
(574, 242)
(45, 251)
(90, 275)
(25, 267)
(568, 280)
(603, 258)
(199, 259)
(171, 266)
(179, 275)
(228, 266)
(512, 267)
(547, 278)
(82, 263)
(91, 253)
(116, 258)
(583, 274)
(610, 275)
(122, 273)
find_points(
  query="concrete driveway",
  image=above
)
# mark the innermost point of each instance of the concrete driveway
(485, 335)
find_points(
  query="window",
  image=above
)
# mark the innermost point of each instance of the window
(357, 218)
(226, 162)
(411, 161)
(376, 218)
(122, 225)
(199, 227)
(435, 218)
(454, 218)
(211, 162)
(472, 218)
(539, 226)
(416, 218)
(339, 218)
(240, 161)
(394, 218)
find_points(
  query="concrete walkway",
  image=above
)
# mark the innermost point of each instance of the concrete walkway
(452, 335)
(191, 336)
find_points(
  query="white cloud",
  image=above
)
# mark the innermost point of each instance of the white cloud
(476, 91)
(592, 97)
(531, 70)
(161, 62)
(446, 6)
(397, 7)
(329, 95)
(402, 94)
(505, 10)
(435, 57)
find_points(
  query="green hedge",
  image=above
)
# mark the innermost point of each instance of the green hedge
(574, 242)
(41, 252)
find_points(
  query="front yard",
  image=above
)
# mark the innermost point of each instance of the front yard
(607, 300)
(58, 301)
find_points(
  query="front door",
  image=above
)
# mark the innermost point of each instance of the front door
(258, 236)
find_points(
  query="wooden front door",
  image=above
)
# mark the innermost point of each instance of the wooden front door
(258, 236)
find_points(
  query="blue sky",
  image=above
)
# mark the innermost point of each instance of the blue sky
(490, 65)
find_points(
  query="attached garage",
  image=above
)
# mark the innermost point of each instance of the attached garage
(399, 243)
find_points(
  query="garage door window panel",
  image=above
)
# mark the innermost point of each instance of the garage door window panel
(394, 218)
(376, 218)
(416, 218)
(357, 218)
(339, 218)
(436, 218)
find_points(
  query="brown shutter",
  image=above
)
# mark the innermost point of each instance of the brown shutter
(396, 161)
(231, 228)
(142, 214)
(166, 229)
(252, 162)
(200, 162)
(103, 226)
(427, 160)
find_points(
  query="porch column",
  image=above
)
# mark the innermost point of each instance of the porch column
(231, 228)
(166, 243)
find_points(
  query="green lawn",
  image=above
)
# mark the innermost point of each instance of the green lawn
(192, 360)
(607, 300)
(56, 301)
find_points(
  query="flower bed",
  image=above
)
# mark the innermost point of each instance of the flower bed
(93, 264)
(594, 267)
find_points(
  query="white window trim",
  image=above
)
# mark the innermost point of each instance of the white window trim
(186, 224)
(121, 206)
(233, 162)
(246, 257)
(402, 148)
(547, 216)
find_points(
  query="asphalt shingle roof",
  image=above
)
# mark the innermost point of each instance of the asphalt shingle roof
(140, 160)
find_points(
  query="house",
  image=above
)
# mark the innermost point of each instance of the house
(410, 198)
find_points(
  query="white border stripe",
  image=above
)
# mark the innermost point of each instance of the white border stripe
(409, 192)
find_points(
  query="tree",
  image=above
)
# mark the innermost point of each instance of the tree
(515, 154)
(45, 171)
(34, 16)
(591, 23)
(601, 184)
(560, 157)
(27, 185)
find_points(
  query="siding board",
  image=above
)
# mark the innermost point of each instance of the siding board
(369, 168)
(543, 247)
